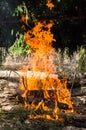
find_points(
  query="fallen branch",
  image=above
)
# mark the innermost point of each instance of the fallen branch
(73, 116)
(78, 92)
(74, 119)
(28, 74)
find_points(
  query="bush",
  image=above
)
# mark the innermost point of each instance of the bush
(19, 47)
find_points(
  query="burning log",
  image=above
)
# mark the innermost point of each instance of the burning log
(81, 81)
(78, 82)
(75, 92)
(28, 74)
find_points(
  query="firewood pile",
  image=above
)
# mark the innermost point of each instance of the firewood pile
(10, 96)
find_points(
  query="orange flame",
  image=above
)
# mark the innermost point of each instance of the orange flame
(23, 18)
(49, 4)
(41, 86)
(40, 36)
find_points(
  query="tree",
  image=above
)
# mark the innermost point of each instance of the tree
(68, 16)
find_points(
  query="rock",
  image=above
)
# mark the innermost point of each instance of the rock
(7, 107)
(27, 121)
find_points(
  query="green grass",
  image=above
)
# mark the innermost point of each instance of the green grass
(17, 119)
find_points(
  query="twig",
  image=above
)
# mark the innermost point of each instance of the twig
(9, 76)
(73, 82)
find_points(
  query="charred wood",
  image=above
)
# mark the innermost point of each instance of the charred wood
(48, 102)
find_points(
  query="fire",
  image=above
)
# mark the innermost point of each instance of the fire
(41, 87)
(23, 18)
(49, 4)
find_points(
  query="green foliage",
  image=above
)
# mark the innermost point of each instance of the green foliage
(81, 64)
(20, 9)
(71, 64)
(68, 28)
(19, 47)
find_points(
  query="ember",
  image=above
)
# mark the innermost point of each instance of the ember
(43, 89)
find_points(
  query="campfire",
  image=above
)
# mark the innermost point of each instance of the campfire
(44, 94)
